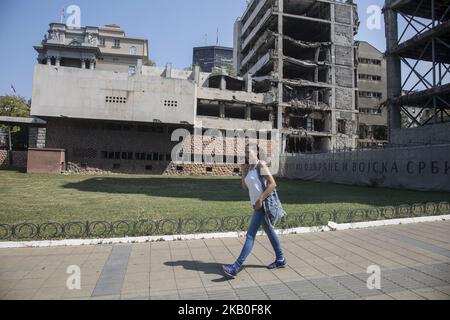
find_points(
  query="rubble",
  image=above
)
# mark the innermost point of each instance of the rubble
(303, 53)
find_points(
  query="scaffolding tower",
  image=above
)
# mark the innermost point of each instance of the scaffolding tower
(420, 48)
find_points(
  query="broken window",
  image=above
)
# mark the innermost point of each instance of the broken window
(234, 112)
(311, 31)
(297, 121)
(342, 126)
(363, 131)
(208, 110)
(307, 97)
(318, 125)
(260, 114)
(318, 10)
(296, 144)
(301, 119)
(235, 84)
(380, 133)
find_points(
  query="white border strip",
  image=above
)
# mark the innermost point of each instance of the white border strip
(362, 225)
(128, 240)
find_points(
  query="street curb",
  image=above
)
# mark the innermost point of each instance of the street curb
(332, 226)
(362, 225)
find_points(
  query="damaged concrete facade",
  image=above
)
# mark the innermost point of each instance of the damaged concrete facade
(118, 121)
(302, 54)
(372, 95)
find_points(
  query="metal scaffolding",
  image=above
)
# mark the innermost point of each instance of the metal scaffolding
(420, 48)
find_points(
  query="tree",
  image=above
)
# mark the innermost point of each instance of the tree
(150, 63)
(230, 70)
(14, 106)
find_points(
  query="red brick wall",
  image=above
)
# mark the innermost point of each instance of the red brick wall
(45, 161)
(4, 159)
(85, 144)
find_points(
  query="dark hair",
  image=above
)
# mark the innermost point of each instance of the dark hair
(260, 153)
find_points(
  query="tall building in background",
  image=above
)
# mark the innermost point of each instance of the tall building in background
(372, 92)
(302, 53)
(211, 57)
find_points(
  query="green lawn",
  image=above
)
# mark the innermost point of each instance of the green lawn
(63, 198)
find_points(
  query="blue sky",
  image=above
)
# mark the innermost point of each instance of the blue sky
(172, 27)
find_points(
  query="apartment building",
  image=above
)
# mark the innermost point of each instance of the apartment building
(372, 94)
(302, 53)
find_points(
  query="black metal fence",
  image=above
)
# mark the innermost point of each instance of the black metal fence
(126, 228)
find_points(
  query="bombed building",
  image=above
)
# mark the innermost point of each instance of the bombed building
(417, 155)
(302, 52)
(104, 110)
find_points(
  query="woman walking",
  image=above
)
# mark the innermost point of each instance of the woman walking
(260, 184)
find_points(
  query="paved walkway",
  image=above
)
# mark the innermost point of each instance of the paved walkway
(414, 259)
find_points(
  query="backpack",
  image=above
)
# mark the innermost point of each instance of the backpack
(272, 205)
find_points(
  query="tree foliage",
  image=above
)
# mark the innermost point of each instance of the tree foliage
(14, 106)
(150, 63)
(230, 70)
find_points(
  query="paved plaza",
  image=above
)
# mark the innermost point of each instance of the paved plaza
(414, 261)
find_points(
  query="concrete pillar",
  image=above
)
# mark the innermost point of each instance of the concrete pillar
(83, 64)
(197, 74)
(317, 54)
(248, 113)
(49, 61)
(237, 46)
(332, 70)
(92, 64)
(280, 39)
(248, 82)
(58, 62)
(271, 116)
(168, 70)
(394, 73)
(223, 83)
(139, 66)
(222, 110)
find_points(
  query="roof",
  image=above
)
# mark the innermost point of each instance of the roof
(213, 47)
(22, 121)
(369, 44)
(113, 25)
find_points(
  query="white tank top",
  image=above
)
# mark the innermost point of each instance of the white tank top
(255, 188)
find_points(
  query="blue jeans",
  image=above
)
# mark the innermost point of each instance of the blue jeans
(258, 220)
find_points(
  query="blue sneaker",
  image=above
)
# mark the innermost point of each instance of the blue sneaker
(231, 270)
(278, 265)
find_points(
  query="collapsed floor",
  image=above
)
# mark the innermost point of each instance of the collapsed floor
(303, 53)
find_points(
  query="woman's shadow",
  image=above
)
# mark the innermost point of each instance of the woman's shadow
(205, 267)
